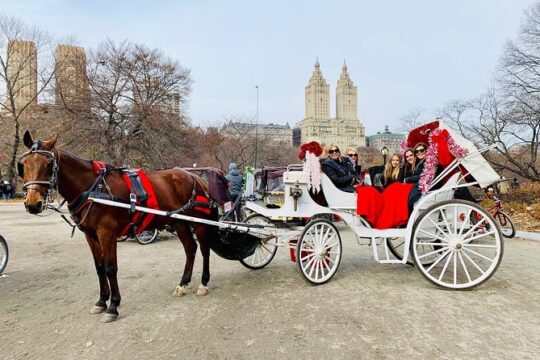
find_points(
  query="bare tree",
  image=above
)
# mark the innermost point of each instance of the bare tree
(412, 119)
(22, 81)
(134, 106)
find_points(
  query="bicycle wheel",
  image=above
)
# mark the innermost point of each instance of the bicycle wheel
(4, 254)
(507, 226)
(147, 237)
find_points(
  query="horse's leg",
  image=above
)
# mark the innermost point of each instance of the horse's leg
(107, 240)
(104, 292)
(190, 248)
(200, 231)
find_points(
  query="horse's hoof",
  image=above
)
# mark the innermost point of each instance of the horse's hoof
(97, 309)
(109, 318)
(180, 291)
(202, 290)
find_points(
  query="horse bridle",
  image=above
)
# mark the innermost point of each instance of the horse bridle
(51, 184)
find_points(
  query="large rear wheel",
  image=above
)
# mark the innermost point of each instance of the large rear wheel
(265, 251)
(463, 253)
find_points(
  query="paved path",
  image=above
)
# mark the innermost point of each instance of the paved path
(367, 311)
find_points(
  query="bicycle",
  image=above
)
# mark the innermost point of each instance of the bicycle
(4, 254)
(144, 238)
(507, 226)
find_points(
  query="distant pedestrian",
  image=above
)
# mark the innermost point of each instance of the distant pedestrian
(515, 183)
(7, 191)
(2, 188)
(236, 183)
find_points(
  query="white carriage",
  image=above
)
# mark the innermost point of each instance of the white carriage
(454, 243)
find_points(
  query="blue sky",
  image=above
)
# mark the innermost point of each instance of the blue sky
(400, 54)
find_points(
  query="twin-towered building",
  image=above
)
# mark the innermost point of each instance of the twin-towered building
(345, 129)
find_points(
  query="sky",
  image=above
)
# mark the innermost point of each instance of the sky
(400, 54)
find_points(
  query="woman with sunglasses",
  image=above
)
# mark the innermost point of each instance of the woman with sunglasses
(353, 156)
(392, 170)
(339, 169)
(415, 194)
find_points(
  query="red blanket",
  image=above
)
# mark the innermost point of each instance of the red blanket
(386, 210)
(151, 203)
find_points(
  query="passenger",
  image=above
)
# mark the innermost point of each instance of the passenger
(339, 169)
(392, 170)
(407, 169)
(353, 155)
(415, 194)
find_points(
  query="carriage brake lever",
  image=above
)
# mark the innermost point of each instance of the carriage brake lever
(295, 192)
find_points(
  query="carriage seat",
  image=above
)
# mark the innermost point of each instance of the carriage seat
(336, 198)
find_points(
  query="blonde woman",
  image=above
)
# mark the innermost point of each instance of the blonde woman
(352, 153)
(339, 169)
(391, 170)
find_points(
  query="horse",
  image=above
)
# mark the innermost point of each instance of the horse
(45, 168)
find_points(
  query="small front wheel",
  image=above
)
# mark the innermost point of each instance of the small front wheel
(4, 254)
(318, 252)
(265, 251)
(147, 237)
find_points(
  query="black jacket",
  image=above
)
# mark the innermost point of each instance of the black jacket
(341, 172)
(415, 176)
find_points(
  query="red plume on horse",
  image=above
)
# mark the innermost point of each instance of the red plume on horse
(44, 169)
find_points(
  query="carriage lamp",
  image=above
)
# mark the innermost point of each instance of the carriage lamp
(384, 152)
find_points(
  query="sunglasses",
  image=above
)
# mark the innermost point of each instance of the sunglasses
(333, 151)
(419, 151)
(352, 155)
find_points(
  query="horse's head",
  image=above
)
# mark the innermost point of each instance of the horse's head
(38, 168)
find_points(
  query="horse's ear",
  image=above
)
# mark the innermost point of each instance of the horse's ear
(27, 139)
(49, 144)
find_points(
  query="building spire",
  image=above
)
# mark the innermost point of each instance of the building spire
(344, 72)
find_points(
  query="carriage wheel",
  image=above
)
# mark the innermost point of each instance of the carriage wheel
(318, 252)
(4, 254)
(507, 226)
(265, 251)
(466, 253)
(147, 237)
(397, 248)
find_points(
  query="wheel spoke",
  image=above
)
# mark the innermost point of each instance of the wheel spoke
(480, 245)
(478, 237)
(433, 235)
(429, 244)
(433, 253)
(478, 254)
(474, 227)
(436, 225)
(441, 212)
(464, 266)
(438, 260)
(304, 258)
(465, 221)
(455, 269)
(445, 266)
(472, 262)
(310, 264)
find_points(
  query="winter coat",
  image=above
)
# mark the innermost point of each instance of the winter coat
(341, 172)
(236, 180)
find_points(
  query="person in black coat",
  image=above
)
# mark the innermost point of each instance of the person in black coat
(420, 157)
(339, 169)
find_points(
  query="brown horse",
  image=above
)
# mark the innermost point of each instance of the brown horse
(44, 168)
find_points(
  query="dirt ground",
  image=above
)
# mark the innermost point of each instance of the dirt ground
(367, 311)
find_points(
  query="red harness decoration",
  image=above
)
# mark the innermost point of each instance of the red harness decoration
(98, 165)
(204, 200)
(151, 202)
